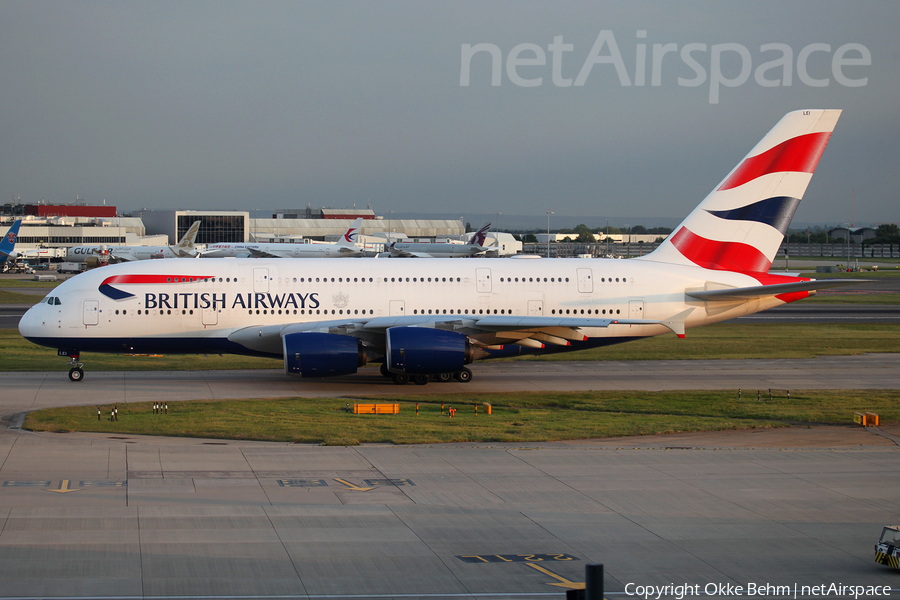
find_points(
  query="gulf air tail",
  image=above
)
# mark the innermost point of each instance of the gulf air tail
(8, 243)
(185, 246)
(742, 222)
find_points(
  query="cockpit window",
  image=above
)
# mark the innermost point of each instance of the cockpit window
(53, 300)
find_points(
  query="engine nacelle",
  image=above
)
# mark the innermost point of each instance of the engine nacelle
(312, 354)
(422, 351)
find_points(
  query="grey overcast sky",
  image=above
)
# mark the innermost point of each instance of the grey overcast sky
(242, 105)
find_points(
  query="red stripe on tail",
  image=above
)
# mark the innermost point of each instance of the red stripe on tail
(721, 256)
(799, 154)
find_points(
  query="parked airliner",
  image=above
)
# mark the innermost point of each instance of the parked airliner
(345, 247)
(442, 250)
(96, 256)
(430, 317)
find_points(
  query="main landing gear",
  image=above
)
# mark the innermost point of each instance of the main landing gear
(463, 376)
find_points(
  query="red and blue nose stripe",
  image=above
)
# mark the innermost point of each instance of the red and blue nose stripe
(106, 286)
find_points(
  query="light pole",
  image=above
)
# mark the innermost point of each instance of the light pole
(549, 212)
(848, 247)
(607, 238)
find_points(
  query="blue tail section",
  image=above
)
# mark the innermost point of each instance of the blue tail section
(8, 243)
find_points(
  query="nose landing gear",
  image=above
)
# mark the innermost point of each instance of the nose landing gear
(76, 372)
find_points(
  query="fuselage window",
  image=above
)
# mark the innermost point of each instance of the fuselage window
(618, 311)
(567, 280)
(617, 280)
(429, 311)
(354, 280)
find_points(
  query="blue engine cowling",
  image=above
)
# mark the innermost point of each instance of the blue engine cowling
(422, 351)
(311, 354)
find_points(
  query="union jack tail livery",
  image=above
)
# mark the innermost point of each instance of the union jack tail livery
(741, 223)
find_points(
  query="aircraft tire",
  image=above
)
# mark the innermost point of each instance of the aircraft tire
(401, 378)
(464, 376)
(443, 377)
(76, 374)
(419, 379)
(384, 371)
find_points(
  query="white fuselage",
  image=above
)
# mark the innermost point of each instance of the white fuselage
(122, 253)
(435, 250)
(192, 306)
(280, 250)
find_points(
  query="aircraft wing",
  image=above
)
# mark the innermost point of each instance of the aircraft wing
(765, 291)
(397, 253)
(120, 258)
(254, 253)
(482, 330)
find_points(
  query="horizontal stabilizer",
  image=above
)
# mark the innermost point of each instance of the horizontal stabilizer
(765, 291)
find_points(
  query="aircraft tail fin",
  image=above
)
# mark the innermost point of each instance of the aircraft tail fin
(351, 235)
(8, 243)
(740, 225)
(478, 237)
(186, 243)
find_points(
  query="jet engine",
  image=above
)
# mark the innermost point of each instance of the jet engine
(422, 351)
(312, 354)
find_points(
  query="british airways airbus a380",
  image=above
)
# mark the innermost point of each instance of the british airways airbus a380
(431, 317)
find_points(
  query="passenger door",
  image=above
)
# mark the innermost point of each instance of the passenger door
(91, 312)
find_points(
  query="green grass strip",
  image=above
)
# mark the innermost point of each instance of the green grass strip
(516, 417)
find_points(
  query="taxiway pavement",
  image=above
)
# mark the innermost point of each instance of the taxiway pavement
(103, 516)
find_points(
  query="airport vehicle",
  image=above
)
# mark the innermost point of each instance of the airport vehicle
(8, 243)
(346, 247)
(118, 254)
(441, 250)
(887, 550)
(431, 317)
(71, 267)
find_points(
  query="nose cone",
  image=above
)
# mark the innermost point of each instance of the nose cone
(29, 324)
